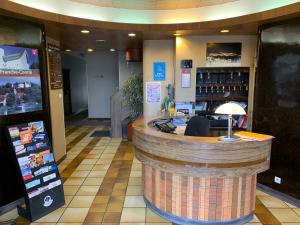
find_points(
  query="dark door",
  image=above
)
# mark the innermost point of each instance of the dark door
(277, 103)
(67, 92)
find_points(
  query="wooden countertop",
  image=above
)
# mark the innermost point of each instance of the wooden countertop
(205, 156)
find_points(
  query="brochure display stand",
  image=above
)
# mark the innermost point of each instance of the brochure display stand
(43, 189)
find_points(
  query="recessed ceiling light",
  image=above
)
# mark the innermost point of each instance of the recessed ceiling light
(225, 31)
(90, 50)
(100, 40)
(68, 50)
(112, 50)
(85, 31)
(176, 34)
(131, 34)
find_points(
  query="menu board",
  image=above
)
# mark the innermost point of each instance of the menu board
(38, 170)
(56, 80)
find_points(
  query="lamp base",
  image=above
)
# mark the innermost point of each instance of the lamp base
(229, 138)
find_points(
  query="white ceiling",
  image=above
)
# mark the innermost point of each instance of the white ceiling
(154, 4)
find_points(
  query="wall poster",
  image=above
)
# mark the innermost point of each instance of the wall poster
(223, 54)
(43, 189)
(20, 82)
(159, 71)
(55, 69)
(153, 92)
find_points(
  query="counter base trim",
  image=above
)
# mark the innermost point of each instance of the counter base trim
(185, 221)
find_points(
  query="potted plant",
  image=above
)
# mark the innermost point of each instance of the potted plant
(133, 99)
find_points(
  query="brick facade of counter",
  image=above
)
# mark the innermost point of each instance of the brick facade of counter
(209, 199)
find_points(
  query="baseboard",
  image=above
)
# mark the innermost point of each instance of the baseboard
(278, 194)
(6, 208)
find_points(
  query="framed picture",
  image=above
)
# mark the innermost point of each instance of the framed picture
(223, 54)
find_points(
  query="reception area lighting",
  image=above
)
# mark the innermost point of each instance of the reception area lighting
(225, 31)
(85, 31)
(112, 50)
(131, 34)
(90, 50)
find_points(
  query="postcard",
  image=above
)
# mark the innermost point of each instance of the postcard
(34, 193)
(48, 158)
(49, 177)
(39, 137)
(33, 183)
(17, 143)
(26, 136)
(26, 173)
(14, 132)
(37, 127)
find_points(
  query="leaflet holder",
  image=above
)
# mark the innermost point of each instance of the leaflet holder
(37, 169)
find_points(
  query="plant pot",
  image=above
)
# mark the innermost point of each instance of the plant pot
(129, 131)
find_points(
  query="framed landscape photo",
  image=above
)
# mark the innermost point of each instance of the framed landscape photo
(223, 54)
(20, 82)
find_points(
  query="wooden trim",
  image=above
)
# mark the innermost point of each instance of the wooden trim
(202, 165)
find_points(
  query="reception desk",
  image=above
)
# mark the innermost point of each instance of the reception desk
(199, 180)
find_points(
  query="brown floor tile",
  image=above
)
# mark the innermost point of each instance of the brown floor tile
(112, 217)
(94, 217)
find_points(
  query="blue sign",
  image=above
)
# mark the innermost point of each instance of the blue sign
(159, 71)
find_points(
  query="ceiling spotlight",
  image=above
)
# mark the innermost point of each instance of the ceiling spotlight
(90, 50)
(131, 34)
(176, 34)
(112, 50)
(85, 31)
(100, 40)
(225, 31)
(68, 50)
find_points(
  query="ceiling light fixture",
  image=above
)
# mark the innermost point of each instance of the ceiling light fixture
(131, 34)
(68, 50)
(100, 40)
(90, 50)
(112, 50)
(85, 31)
(225, 31)
(176, 34)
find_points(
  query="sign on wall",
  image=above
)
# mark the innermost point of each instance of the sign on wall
(153, 92)
(159, 71)
(38, 171)
(186, 78)
(55, 69)
(223, 54)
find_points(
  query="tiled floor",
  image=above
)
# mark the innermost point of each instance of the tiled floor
(102, 184)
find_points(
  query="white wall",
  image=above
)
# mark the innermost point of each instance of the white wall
(126, 69)
(103, 81)
(78, 81)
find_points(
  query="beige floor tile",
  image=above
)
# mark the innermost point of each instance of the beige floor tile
(80, 173)
(152, 217)
(134, 201)
(133, 215)
(42, 223)
(68, 199)
(52, 217)
(71, 190)
(134, 190)
(97, 174)
(132, 224)
(74, 215)
(272, 202)
(88, 190)
(93, 181)
(104, 161)
(297, 211)
(107, 156)
(136, 174)
(89, 161)
(135, 181)
(158, 223)
(74, 181)
(255, 219)
(11, 215)
(100, 167)
(84, 167)
(285, 215)
(69, 224)
(81, 202)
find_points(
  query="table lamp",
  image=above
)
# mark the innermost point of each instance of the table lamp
(230, 109)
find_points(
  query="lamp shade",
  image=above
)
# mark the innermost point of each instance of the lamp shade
(230, 108)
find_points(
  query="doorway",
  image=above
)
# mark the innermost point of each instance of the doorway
(67, 92)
